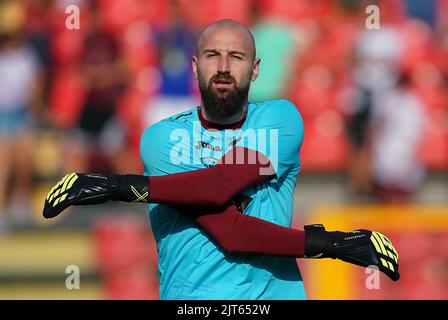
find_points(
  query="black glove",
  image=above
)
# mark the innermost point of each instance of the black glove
(82, 189)
(361, 247)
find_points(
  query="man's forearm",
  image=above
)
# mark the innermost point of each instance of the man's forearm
(207, 187)
(212, 186)
(237, 232)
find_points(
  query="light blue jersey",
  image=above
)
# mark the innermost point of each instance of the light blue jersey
(191, 264)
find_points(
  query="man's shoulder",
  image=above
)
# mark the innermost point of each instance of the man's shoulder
(167, 125)
(157, 140)
(274, 106)
(182, 117)
(280, 109)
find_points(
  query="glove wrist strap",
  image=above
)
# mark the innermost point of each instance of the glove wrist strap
(132, 188)
(315, 241)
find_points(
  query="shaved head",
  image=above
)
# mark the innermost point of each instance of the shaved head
(227, 25)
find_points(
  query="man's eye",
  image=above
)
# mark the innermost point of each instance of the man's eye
(237, 57)
(209, 55)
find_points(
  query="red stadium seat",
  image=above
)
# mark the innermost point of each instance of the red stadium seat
(417, 41)
(325, 147)
(434, 148)
(423, 264)
(200, 13)
(66, 96)
(119, 243)
(138, 48)
(118, 14)
(311, 89)
(293, 10)
(67, 46)
(238, 10)
(126, 258)
(134, 285)
(197, 13)
(156, 12)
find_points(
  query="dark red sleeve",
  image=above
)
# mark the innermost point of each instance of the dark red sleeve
(212, 186)
(237, 232)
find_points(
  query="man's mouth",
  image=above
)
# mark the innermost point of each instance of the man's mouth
(222, 83)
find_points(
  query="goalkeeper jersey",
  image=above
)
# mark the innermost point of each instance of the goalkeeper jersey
(191, 265)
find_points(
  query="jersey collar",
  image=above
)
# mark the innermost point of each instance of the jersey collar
(210, 125)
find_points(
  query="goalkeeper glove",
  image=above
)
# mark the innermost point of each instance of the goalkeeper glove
(360, 247)
(82, 189)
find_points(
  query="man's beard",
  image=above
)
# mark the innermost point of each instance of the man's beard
(221, 104)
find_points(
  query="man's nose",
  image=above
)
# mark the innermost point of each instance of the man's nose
(223, 64)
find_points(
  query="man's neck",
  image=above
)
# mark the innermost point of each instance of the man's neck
(233, 122)
(237, 117)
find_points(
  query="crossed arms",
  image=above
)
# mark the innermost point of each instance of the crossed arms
(214, 211)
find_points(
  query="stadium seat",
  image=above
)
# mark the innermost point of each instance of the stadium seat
(118, 14)
(66, 96)
(126, 258)
(434, 149)
(67, 46)
(325, 147)
(155, 12)
(232, 9)
(133, 284)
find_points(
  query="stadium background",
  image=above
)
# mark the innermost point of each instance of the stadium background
(318, 54)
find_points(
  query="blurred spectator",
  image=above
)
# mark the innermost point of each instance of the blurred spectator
(176, 42)
(377, 58)
(19, 93)
(276, 46)
(375, 71)
(38, 33)
(358, 128)
(98, 134)
(398, 120)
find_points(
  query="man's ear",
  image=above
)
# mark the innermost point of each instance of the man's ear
(194, 63)
(255, 69)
